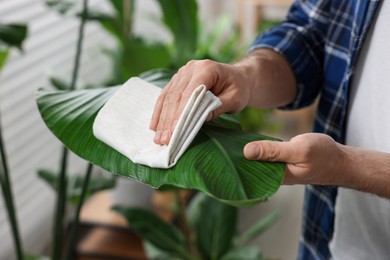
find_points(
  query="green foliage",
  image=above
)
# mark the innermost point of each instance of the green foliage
(13, 35)
(147, 225)
(248, 252)
(181, 18)
(222, 172)
(255, 119)
(61, 6)
(75, 184)
(221, 43)
(257, 229)
(214, 225)
(3, 57)
(59, 83)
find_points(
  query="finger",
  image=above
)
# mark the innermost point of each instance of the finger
(271, 151)
(191, 85)
(163, 132)
(158, 107)
(229, 105)
(156, 112)
(181, 90)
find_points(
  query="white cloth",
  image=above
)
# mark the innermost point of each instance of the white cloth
(123, 123)
(362, 223)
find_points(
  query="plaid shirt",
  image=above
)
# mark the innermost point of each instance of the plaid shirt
(321, 39)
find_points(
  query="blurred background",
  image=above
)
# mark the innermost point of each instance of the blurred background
(45, 59)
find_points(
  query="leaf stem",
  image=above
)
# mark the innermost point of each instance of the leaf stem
(183, 222)
(128, 8)
(61, 196)
(60, 207)
(71, 240)
(8, 198)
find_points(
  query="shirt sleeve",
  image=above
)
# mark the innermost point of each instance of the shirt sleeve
(300, 39)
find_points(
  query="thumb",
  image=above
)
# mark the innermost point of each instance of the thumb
(272, 151)
(227, 106)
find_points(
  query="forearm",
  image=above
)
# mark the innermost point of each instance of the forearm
(365, 170)
(269, 77)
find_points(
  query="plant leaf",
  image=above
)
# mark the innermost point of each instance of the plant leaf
(13, 35)
(249, 252)
(181, 18)
(153, 252)
(214, 224)
(151, 228)
(214, 162)
(75, 184)
(28, 256)
(140, 56)
(61, 6)
(3, 57)
(257, 229)
(59, 83)
(159, 77)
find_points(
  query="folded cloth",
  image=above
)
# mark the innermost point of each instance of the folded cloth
(123, 123)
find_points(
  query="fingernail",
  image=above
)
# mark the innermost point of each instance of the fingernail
(157, 137)
(252, 151)
(151, 125)
(164, 137)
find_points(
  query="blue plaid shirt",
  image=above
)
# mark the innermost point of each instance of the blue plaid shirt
(321, 40)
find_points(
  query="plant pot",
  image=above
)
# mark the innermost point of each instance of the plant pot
(132, 193)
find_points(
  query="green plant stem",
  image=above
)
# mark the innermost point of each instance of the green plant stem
(8, 198)
(127, 18)
(61, 196)
(60, 207)
(183, 223)
(71, 240)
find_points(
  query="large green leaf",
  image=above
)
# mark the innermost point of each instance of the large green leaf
(214, 224)
(75, 184)
(214, 162)
(151, 228)
(181, 18)
(13, 34)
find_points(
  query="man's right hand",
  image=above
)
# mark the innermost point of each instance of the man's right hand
(228, 82)
(262, 79)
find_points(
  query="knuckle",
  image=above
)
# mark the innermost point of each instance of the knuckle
(190, 63)
(272, 154)
(208, 64)
(187, 93)
(173, 97)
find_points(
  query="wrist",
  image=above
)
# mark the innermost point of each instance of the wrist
(269, 78)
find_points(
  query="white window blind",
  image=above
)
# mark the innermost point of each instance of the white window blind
(49, 48)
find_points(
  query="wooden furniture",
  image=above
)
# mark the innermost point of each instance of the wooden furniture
(258, 7)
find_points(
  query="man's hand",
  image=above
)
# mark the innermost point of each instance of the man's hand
(228, 82)
(262, 79)
(318, 159)
(309, 158)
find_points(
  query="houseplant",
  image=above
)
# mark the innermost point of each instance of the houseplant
(11, 36)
